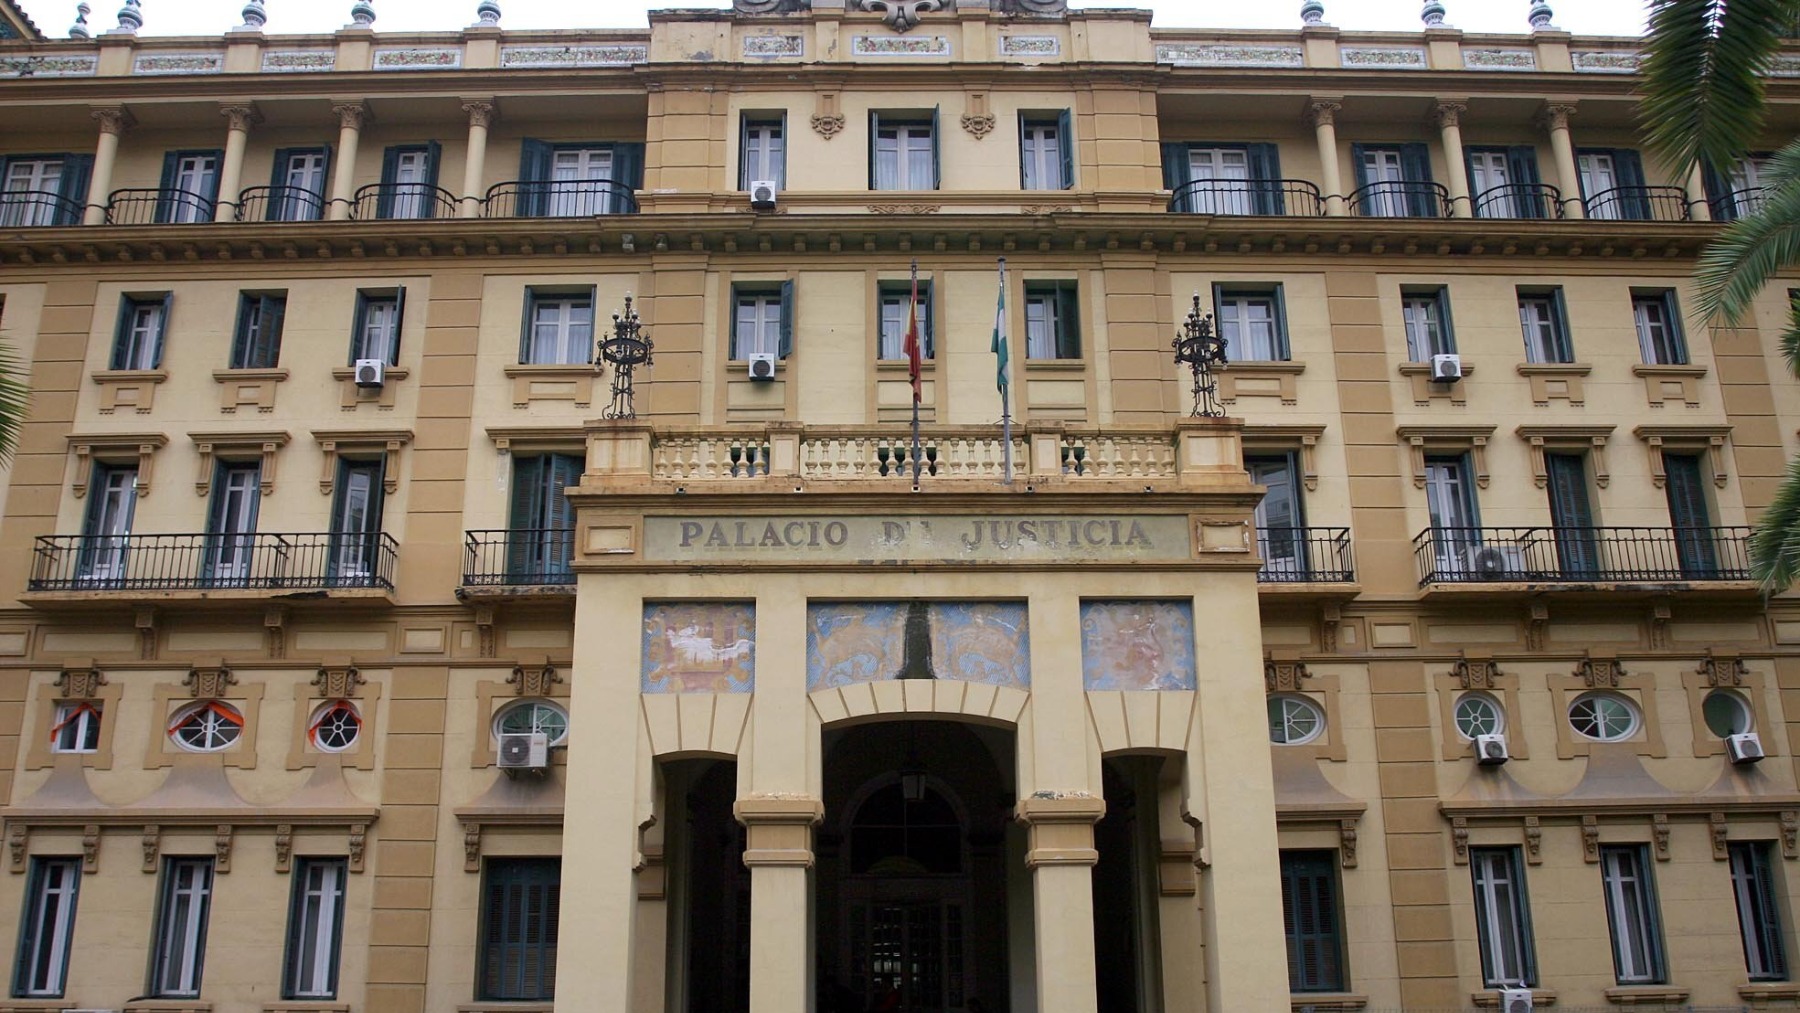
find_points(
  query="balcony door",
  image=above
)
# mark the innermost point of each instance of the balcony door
(31, 187)
(1226, 171)
(542, 518)
(1450, 498)
(574, 175)
(1690, 516)
(1572, 514)
(108, 525)
(190, 185)
(231, 527)
(1279, 520)
(356, 522)
(1488, 175)
(1384, 177)
(411, 176)
(300, 177)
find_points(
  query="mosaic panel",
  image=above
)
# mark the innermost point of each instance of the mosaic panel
(1606, 63)
(417, 59)
(1030, 45)
(178, 63)
(1382, 57)
(48, 66)
(773, 46)
(699, 647)
(902, 45)
(1186, 54)
(1137, 645)
(853, 642)
(573, 56)
(1500, 59)
(299, 61)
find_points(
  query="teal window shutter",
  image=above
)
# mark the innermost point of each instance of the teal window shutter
(787, 319)
(937, 151)
(384, 202)
(77, 173)
(433, 153)
(1265, 169)
(1065, 140)
(1068, 322)
(874, 138)
(628, 173)
(165, 188)
(1630, 169)
(1282, 348)
(1356, 163)
(1415, 168)
(162, 328)
(533, 193)
(1178, 172)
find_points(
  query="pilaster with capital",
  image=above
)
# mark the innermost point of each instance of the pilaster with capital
(113, 121)
(239, 118)
(1555, 120)
(481, 116)
(351, 117)
(1448, 114)
(1322, 114)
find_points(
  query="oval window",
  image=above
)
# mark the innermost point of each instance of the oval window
(1726, 713)
(207, 726)
(1603, 717)
(1294, 720)
(335, 726)
(534, 716)
(1479, 714)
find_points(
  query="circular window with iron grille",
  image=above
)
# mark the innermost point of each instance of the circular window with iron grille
(206, 726)
(1294, 720)
(1604, 717)
(335, 726)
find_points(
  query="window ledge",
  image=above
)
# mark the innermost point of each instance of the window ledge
(230, 375)
(1304, 1002)
(388, 373)
(1055, 365)
(1645, 995)
(1552, 368)
(1266, 366)
(902, 366)
(1652, 369)
(306, 1006)
(33, 1005)
(130, 375)
(168, 1006)
(1490, 999)
(1769, 991)
(505, 1006)
(1424, 369)
(549, 369)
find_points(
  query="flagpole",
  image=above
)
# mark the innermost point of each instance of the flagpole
(914, 355)
(1001, 382)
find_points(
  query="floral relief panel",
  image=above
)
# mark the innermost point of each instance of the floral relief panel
(699, 647)
(853, 642)
(1137, 645)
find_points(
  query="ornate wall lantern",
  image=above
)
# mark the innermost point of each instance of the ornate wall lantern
(628, 348)
(1201, 350)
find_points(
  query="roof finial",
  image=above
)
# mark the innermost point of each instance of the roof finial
(1540, 16)
(254, 16)
(1312, 12)
(79, 30)
(131, 18)
(1432, 14)
(489, 14)
(362, 13)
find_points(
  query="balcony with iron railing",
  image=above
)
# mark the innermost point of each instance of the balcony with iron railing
(158, 206)
(558, 199)
(1400, 199)
(1291, 197)
(518, 560)
(1640, 204)
(1518, 200)
(1298, 556)
(1586, 556)
(403, 201)
(37, 209)
(111, 567)
(1729, 207)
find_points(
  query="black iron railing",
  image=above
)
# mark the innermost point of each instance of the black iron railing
(1639, 204)
(201, 562)
(147, 206)
(35, 208)
(1738, 203)
(1304, 556)
(1558, 554)
(576, 198)
(280, 204)
(514, 557)
(1519, 200)
(402, 200)
(1248, 197)
(1401, 199)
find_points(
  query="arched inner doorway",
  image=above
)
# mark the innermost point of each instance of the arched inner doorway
(913, 906)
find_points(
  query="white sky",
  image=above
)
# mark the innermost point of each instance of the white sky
(211, 17)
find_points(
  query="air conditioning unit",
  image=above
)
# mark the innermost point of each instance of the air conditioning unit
(524, 751)
(1446, 368)
(1516, 1000)
(1490, 750)
(762, 194)
(1496, 562)
(762, 365)
(370, 372)
(1744, 747)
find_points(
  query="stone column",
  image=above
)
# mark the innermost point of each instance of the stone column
(1449, 120)
(113, 122)
(1562, 150)
(351, 117)
(1698, 208)
(481, 116)
(1323, 113)
(231, 170)
(1061, 855)
(778, 852)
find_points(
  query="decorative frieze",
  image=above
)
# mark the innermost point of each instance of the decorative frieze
(928, 46)
(299, 61)
(436, 58)
(49, 66)
(512, 57)
(1030, 46)
(1383, 58)
(1499, 59)
(774, 47)
(1785, 66)
(178, 63)
(1194, 54)
(1605, 62)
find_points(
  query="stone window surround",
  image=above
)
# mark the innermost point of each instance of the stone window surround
(1541, 374)
(1302, 440)
(63, 689)
(1639, 687)
(361, 444)
(1447, 439)
(172, 696)
(116, 448)
(1590, 440)
(248, 387)
(527, 682)
(1707, 439)
(338, 679)
(1728, 671)
(1477, 673)
(237, 445)
(1285, 674)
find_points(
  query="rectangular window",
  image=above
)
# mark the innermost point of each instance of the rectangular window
(1612, 184)
(138, 339)
(1503, 183)
(1631, 915)
(559, 328)
(1502, 918)
(903, 152)
(1225, 179)
(519, 898)
(762, 151)
(1046, 155)
(1253, 323)
(762, 320)
(356, 520)
(190, 187)
(43, 189)
(1572, 514)
(180, 944)
(76, 728)
(1544, 326)
(1309, 911)
(231, 522)
(376, 333)
(315, 928)
(1450, 502)
(112, 502)
(409, 174)
(1280, 517)
(1696, 550)
(258, 341)
(297, 189)
(1052, 320)
(541, 520)
(1658, 328)
(48, 929)
(895, 297)
(1759, 912)
(1394, 181)
(579, 179)
(1426, 312)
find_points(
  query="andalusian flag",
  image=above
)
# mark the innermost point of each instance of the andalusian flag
(999, 343)
(915, 353)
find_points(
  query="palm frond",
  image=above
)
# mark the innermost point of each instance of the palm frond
(15, 400)
(1705, 71)
(1790, 338)
(1747, 254)
(1775, 544)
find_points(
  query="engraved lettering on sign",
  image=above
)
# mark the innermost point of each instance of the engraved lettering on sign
(952, 538)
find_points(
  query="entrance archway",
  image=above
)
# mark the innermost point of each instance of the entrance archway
(912, 899)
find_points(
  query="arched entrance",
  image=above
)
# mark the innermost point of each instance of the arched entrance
(912, 901)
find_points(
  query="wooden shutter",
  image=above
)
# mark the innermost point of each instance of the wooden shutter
(165, 200)
(937, 151)
(432, 152)
(786, 348)
(1356, 163)
(628, 172)
(1718, 188)
(1415, 168)
(1628, 168)
(1065, 143)
(1068, 321)
(1265, 166)
(1309, 909)
(519, 929)
(874, 139)
(72, 186)
(1522, 169)
(390, 171)
(162, 328)
(532, 197)
(1177, 170)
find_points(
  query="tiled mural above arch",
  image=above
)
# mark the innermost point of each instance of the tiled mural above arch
(699, 647)
(852, 642)
(1137, 645)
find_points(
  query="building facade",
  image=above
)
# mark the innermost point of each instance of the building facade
(367, 646)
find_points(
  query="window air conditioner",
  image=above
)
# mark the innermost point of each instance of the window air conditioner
(1490, 750)
(1744, 747)
(1516, 1000)
(370, 372)
(1496, 562)
(524, 751)
(1446, 368)
(762, 194)
(762, 365)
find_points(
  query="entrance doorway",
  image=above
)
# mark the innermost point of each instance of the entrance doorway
(913, 909)
(709, 890)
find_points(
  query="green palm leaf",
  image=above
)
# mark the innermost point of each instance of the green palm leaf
(1741, 261)
(15, 400)
(1775, 544)
(1705, 69)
